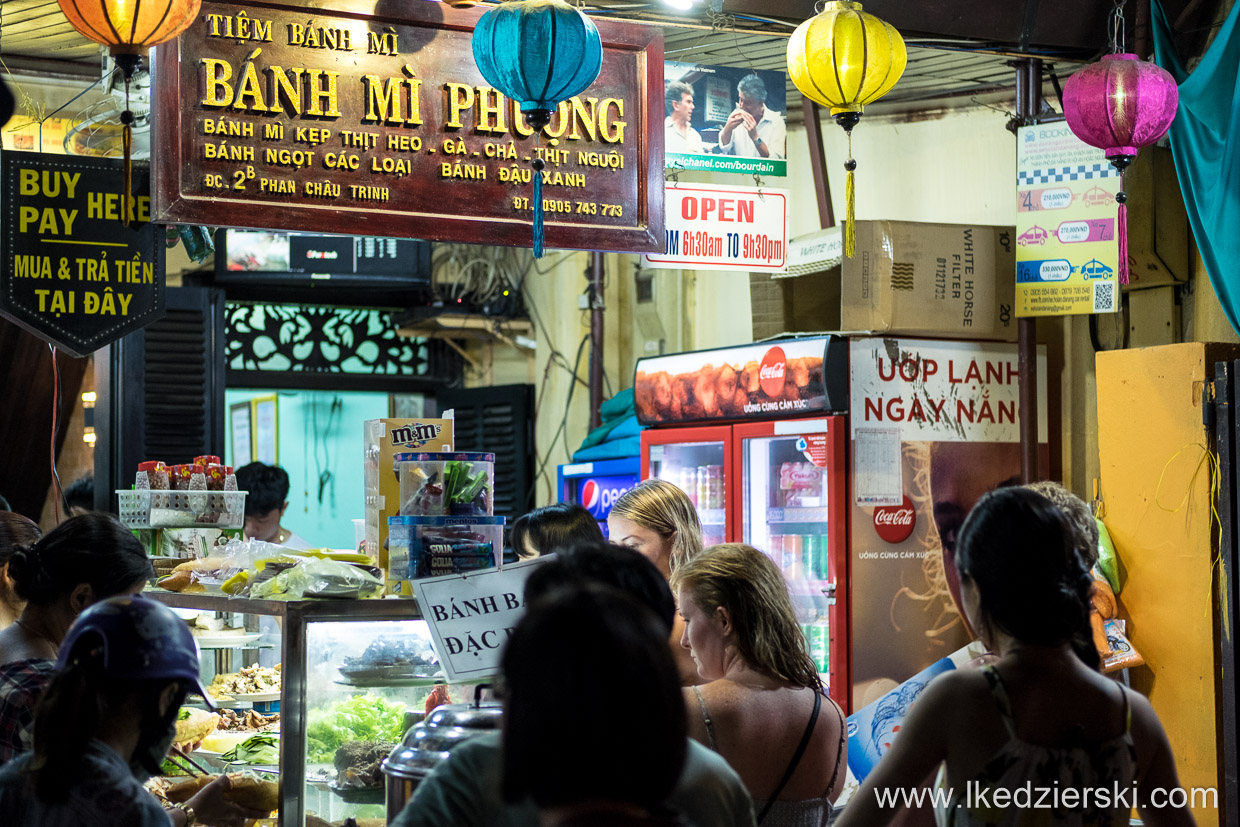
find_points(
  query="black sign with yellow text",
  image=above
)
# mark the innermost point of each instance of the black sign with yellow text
(72, 272)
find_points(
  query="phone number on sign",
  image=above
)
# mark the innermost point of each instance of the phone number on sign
(565, 206)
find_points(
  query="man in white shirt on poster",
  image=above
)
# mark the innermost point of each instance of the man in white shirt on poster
(752, 130)
(678, 135)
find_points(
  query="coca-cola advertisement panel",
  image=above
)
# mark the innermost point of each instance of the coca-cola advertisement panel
(934, 426)
(767, 380)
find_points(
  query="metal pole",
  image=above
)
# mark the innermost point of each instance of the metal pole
(1028, 106)
(596, 339)
(818, 161)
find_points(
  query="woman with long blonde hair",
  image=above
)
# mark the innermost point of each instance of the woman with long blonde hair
(658, 521)
(762, 707)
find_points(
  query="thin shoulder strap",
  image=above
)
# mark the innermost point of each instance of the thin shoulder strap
(796, 758)
(839, 756)
(999, 692)
(710, 726)
(1127, 711)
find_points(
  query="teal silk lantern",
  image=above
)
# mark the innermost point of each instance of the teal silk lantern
(539, 53)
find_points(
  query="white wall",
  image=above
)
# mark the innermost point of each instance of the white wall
(958, 168)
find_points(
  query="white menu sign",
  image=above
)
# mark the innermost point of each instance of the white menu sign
(472, 615)
(715, 227)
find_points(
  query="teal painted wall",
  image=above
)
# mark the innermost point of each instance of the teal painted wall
(322, 453)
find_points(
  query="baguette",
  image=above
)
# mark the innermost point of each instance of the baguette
(197, 726)
(202, 565)
(252, 792)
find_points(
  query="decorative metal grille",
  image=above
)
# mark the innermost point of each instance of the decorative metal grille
(320, 339)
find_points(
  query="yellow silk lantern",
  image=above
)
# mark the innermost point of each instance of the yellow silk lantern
(844, 58)
(129, 29)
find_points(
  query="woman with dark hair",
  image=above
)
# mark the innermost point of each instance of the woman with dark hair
(15, 531)
(566, 742)
(1039, 718)
(83, 560)
(760, 708)
(106, 721)
(553, 527)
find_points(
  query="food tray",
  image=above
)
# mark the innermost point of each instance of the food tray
(145, 508)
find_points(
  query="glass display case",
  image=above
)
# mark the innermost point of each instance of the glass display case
(351, 671)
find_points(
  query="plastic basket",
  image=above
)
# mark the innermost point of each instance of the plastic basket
(182, 509)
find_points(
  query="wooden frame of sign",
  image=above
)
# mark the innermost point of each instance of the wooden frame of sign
(356, 117)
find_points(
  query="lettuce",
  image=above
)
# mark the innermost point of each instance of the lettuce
(263, 748)
(357, 718)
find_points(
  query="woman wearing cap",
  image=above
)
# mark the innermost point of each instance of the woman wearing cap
(106, 722)
(658, 521)
(81, 561)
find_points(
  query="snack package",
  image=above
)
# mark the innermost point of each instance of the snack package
(313, 577)
(1123, 654)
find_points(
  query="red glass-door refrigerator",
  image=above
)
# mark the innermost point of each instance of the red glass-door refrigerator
(791, 503)
(766, 466)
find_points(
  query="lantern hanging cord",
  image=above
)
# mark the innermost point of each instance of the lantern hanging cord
(1118, 34)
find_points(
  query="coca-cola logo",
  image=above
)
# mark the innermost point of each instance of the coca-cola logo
(894, 523)
(771, 372)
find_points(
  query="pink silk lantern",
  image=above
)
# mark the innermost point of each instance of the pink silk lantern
(1120, 104)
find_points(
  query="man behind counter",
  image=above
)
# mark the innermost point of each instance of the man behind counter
(266, 503)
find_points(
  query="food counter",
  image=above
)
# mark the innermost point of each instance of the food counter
(317, 637)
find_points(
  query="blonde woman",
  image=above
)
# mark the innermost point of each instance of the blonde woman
(763, 707)
(658, 521)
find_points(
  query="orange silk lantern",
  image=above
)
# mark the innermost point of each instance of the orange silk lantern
(129, 28)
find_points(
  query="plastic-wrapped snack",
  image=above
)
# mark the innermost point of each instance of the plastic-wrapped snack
(454, 552)
(1123, 654)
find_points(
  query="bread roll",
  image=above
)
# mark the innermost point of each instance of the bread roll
(253, 793)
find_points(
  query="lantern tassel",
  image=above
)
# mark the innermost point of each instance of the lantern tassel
(1121, 231)
(127, 143)
(538, 208)
(850, 222)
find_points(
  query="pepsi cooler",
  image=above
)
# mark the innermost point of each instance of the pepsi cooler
(597, 485)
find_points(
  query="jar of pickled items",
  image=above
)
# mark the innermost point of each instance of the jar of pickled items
(181, 475)
(154, 475)
(215, 476)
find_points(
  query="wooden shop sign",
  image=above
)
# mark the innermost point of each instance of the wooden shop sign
(72, 273)
(348, 116)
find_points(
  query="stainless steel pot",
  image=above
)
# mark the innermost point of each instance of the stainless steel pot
(429, 742)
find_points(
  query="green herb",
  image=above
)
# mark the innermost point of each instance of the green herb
(171, 769)
(183, 714)
(357, 718)
(263, 748)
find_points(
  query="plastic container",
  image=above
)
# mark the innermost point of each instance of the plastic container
(446, 484)
(432, 546)
(143, 508)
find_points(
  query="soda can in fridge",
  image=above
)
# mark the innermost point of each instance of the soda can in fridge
(818, 642)
(822, 557)
(809, 556)
(688, 484)
(703, 488)
(794, 566)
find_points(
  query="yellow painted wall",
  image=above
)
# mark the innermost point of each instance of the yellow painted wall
(1157, 510)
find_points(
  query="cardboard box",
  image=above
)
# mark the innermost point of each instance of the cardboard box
(1158, 253)
(807, 303)
(947, 280)
(383, 440)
